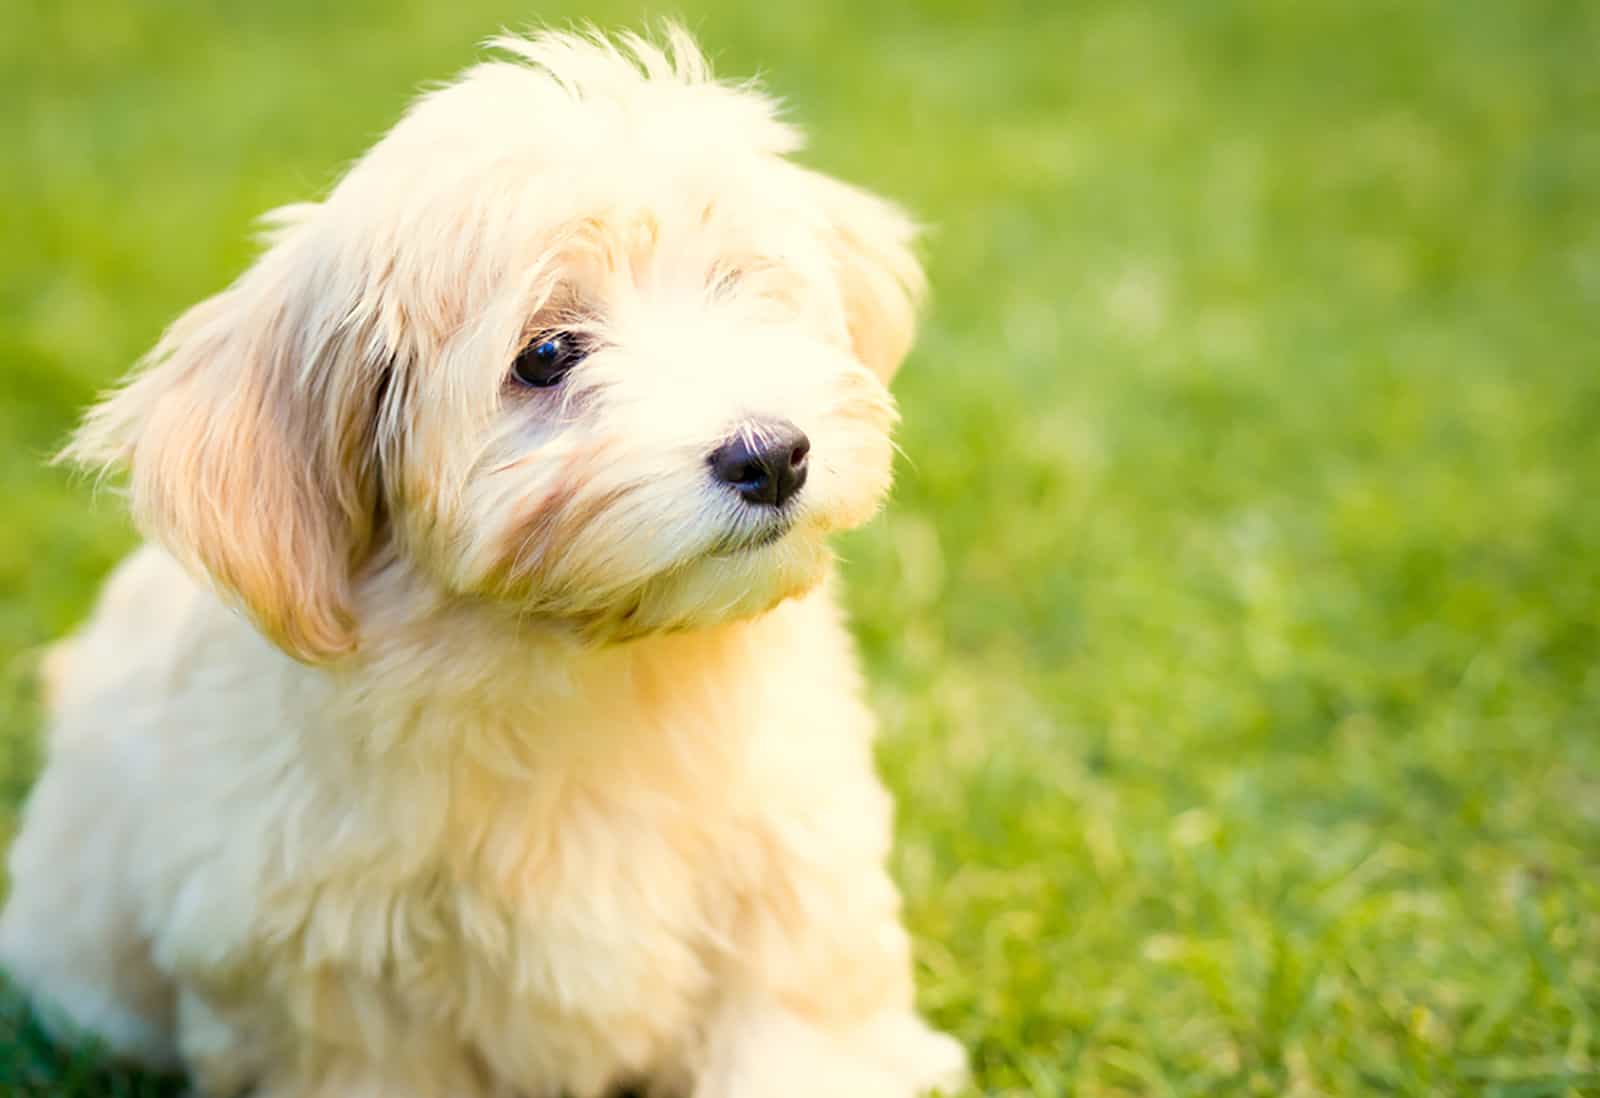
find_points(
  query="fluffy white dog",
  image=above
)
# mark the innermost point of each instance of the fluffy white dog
(536, 762)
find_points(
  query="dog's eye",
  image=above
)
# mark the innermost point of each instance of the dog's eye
(545, 361)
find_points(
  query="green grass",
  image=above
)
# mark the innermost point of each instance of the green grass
(1236, 625)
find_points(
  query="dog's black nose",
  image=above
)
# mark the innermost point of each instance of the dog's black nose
(765, 462)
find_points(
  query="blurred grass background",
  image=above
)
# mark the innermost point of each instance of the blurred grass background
(1235, 625)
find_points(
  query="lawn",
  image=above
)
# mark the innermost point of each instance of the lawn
(1235, 625)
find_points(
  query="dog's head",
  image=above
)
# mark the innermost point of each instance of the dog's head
(575, 337)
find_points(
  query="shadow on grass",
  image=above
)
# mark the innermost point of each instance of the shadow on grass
(32, 1065)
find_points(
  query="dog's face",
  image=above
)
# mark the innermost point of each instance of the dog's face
(575, 337)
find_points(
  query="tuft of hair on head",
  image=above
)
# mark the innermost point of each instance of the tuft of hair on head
(588, 59)
(591, 65)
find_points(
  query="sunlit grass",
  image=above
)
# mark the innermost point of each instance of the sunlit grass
(1236, 625)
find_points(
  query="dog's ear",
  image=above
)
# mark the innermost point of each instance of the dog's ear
(880, 279)
(248, 437)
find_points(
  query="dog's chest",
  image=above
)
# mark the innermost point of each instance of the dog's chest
(574, 926)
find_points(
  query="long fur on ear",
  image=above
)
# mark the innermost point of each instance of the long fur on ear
(250, 447)
(880, 279)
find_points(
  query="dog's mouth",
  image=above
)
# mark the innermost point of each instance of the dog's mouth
(748, 541)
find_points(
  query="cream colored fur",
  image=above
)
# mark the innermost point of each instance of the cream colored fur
(456, 738)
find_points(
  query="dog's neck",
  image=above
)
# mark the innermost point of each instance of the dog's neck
(437, 676)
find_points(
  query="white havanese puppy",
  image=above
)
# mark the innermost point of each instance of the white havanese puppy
(536, 763)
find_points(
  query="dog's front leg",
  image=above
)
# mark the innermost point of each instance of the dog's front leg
(817, 998)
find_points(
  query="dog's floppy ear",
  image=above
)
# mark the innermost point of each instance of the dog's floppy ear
(247, 434)
(880, 280)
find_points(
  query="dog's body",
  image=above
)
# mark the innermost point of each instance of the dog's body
(538, 766)
(553, 866)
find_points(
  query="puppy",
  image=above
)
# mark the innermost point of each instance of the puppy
(480, 721)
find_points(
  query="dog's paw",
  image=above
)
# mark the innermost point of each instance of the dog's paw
(779, 1055)
(930, 1061)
